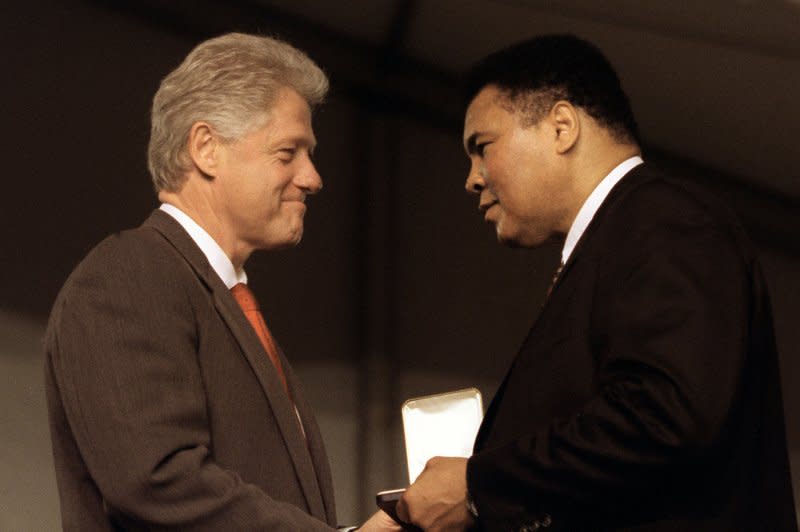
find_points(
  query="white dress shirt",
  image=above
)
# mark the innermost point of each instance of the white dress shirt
(216, 257)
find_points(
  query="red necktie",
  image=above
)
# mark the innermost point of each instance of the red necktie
(249, 305)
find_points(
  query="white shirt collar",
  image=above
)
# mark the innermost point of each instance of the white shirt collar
(216, 257)
(593, 202)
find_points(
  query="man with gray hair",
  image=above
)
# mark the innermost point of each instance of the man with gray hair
(171, 404)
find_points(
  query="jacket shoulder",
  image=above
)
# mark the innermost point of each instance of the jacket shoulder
(650, 194)
(133, 264)
(650, 202)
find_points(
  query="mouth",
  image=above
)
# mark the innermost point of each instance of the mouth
(295, 205)
(301, 201)
(484, 207)
(294, 197)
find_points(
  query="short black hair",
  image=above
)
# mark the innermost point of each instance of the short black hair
(536, 73)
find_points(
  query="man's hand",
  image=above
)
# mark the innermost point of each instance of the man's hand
(437, 499)
(380, 521)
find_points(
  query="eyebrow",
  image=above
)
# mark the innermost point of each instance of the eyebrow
(312, 144)
(302, 140)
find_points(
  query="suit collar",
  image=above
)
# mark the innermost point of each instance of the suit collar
(183, 243)
(305, 467)
(594, 202)
(215, 255)
(620, 189)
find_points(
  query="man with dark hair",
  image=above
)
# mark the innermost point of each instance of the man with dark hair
(646, 395)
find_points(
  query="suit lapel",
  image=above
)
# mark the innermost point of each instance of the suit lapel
(316, 446)
(629, 181)
(251, 346)
(281, 405)
(488, 420)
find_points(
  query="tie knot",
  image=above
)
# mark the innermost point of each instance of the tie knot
(244, 296)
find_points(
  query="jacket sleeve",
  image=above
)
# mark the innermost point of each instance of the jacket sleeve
(123, 352)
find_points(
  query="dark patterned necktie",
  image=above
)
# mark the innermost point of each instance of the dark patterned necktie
(553, 281)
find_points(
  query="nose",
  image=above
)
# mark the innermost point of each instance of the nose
(475, 180)
(309, 179)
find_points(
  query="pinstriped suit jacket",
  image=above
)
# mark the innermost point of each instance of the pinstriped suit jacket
(165, 411)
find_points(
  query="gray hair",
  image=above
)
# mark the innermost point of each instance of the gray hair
(230, 82)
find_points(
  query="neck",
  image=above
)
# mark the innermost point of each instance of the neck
(197, 200)
(597, 168)
(589, 171)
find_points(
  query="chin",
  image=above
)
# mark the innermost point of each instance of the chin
(505, 237)
(294, 238)
(288, 240)
(510, 242)
(519, 240)
(291, 241)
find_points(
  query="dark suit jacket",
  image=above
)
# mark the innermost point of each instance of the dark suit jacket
(647, 394)
(165, 411)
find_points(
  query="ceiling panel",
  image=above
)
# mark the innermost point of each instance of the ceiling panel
(366, 20)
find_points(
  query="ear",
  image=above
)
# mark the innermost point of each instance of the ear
(567, 124)
(204, 148)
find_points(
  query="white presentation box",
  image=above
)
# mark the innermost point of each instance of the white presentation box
(443, 424)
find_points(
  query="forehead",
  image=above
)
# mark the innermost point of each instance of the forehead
(289, 106)
(489, 110)
(290, 115)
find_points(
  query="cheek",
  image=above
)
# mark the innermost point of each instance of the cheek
(278, 181)
(504, 183)
(500, 168)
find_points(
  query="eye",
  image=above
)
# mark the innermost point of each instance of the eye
(287, 154)
(481, 148)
